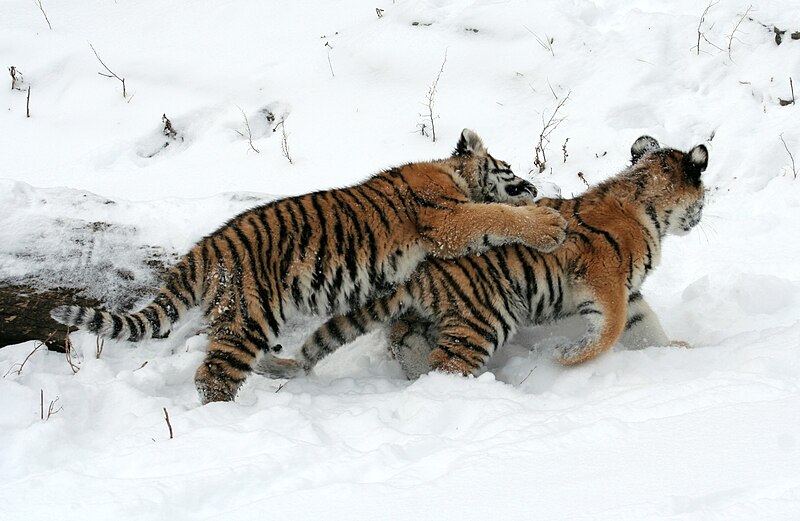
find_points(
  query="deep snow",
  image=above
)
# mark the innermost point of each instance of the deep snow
(709, 432)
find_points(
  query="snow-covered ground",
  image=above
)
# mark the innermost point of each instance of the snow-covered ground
(710, 432)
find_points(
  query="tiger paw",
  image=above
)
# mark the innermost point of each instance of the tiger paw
(275, 367)
(546, 229)
(571, 354)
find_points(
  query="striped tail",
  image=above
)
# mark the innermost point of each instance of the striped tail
(153, 321)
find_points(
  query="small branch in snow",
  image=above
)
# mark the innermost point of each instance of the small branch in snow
(16, 78)
(379, 12)
(111, 74)
(547, 43)
(28, 103)
(51, 409)
(284, 140)
(564, 149)
(791, 157)
(249, 135)
(582, 178)
(41, 8)
(68, 354)
(735, 28)
(540, 161)
(20, 366)
(430, 101)
(784, 102)
(169, 425)
(530, 373)
(700, 34)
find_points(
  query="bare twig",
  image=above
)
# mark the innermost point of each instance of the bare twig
(564, 149)
(528, 375)
(51, 409)
(735, 28)
(548, 127)
(28, 103)
(36, 348)
(431, 100)
(330, 64)
(41, 8)
(582, 178)
(784, 102)
(379, 12)
(169, 425)
(143, 364)
(280, 387)
(16, 78)
(68, 354)
(791, 157)
(547, 43)
(249, 135)
(700, 24)
(98, 346)
(284, 140)
(111, 74)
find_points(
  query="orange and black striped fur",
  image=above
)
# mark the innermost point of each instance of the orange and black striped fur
(453, 314)
(328, 252)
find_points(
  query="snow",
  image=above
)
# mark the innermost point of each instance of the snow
(708, 432)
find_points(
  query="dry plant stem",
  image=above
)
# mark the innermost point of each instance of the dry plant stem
(735, 28)
(35, 349)
(784, 102)
(544, 136)
(41, 8)
(330, 64)
(98, 347)
(169, 425)
(547, 43)
(432, 98)
(68, 354)
(284, 141)
(249, 132)
(111, 74)
(28, 103)
(791, 157)
(13, 71)
(699, 25)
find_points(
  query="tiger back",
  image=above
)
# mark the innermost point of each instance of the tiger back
(453, 314)
(328, 252)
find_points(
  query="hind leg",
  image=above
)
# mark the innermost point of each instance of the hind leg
(229, 361)
(461, 349)
(411, 340)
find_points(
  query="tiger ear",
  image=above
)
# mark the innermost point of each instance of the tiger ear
(642, 146)
(695, 162)
(469, 144)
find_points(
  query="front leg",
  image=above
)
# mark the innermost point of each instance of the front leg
(604, 306)
(643, 329)
(476, 227)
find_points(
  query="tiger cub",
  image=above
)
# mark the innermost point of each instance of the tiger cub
(328, 252)
(453, 314)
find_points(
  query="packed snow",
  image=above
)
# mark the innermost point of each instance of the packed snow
(93, 188)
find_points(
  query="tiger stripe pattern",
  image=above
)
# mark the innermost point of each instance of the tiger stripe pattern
(453, 314)
(328, 252)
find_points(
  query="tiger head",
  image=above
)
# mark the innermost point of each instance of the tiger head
(489, 179)
(669, 180)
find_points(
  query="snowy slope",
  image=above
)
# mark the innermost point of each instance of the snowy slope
(710, 432)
